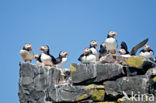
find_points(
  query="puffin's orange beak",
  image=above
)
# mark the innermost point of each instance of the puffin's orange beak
(148, 47)
(40, 48)
(85, 52)
(97, 44)
(67, 53)
(30, 48)
(116, 34)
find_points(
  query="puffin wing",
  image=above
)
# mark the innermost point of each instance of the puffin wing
(53, 59)
(58, 60)
(80, 58)
(138, 46)
(39, 58)
(124, 45)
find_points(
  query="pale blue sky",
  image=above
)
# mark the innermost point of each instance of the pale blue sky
(67, 25)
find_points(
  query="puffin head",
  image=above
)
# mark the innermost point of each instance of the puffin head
(147, 47)
(93, 43)
(87, 51)
(63, 54)
(112, 34)
(44, 48)
(122, 51)
(103, 45)
(27, 46)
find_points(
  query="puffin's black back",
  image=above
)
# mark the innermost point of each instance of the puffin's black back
(124, 46)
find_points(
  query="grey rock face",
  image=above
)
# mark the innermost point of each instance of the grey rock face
(84, 83)
(136, 84)
(82, 72)
(38, 84)
(95, 72)
(67, 93)
(151, 71)
(34, 81)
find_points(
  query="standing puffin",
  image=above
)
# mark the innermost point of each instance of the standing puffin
(46, 58)
(111, 43)
(124, 49)
(62, 59)
(103, 50)
(146, 52)
(93, 45)
(26, 52)
(38, 59)
(87, 57)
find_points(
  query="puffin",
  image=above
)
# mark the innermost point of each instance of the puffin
(124, 49)
(62, 59)
(46, 58)
(37, 57)
(26, 53)
(111, 43)
(93, 45)
(103, 50)
(87, 57)
(146, 52)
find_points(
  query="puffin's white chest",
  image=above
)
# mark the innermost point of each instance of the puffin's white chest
(147, 54)
(45, 57)
(95, 52)
(63, 62)
(89, 59)
(111, 43)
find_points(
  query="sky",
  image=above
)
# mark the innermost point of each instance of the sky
(67, 25)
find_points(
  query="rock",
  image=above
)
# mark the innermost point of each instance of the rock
(82, 72)
(129, 85)
(135, 61)
(95, 72)
(108, 71)
(38, 84)
(71, 93)
(151, 72)
(34, 80)
(111, 59)
(139, 62)
(88, 83)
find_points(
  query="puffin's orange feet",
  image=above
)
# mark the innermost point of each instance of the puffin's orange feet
(107, 55)
(114, 55)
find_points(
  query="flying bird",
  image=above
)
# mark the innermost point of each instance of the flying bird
(26, 53)
(62, 59)
(111, 43)
(87, 56)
